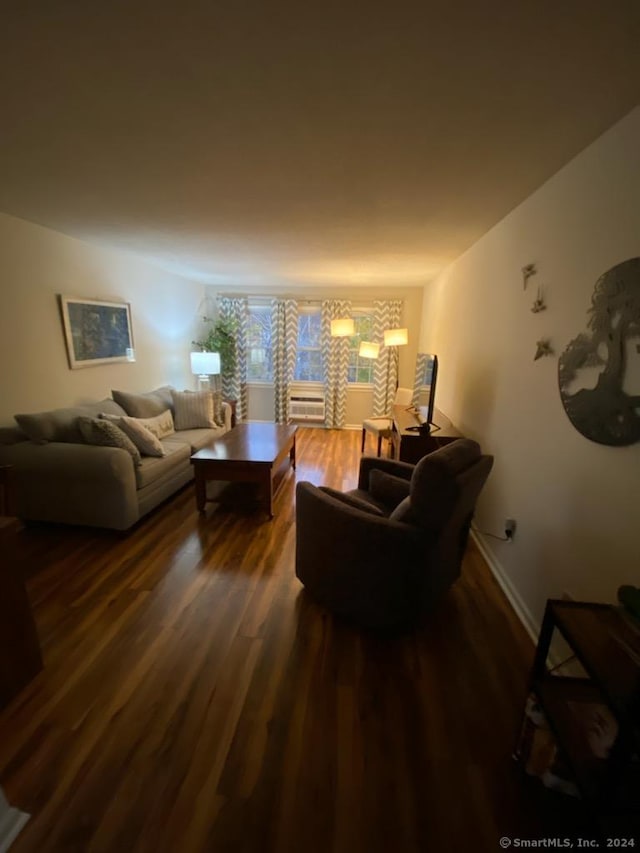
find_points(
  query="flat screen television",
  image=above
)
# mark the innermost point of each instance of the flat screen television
(424, 388)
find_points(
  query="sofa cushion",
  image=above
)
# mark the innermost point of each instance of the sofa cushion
(103, 433)
(62, 424)
(193, 409)
(195, 439)
(153, 468)
(145, 405)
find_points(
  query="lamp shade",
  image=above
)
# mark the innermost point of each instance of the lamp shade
(342, 328)
(369, 350)
(205, 363)
(396, 337)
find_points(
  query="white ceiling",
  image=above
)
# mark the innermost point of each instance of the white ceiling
(256, 142)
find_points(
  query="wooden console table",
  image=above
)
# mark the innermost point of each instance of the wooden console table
(411, 445)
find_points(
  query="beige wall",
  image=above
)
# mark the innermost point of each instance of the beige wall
(359, 400)
(35, 265)
(576, 502)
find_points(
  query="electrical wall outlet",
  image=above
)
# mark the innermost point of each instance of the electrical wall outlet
(509, 528)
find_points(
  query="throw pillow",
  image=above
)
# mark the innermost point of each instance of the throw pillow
(387, 489)
(193, 409)
(404, 513)
(353, 501)
(161, 426)
(146, 442)
(104, 433)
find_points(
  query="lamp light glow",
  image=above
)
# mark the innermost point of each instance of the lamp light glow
(205, 363)
(344, 327)
(369, 349)
(396, 337)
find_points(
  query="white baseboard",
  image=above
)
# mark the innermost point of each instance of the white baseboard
(11, 822)
(523, 613)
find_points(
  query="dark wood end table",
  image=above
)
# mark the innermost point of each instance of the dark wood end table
(249, 453)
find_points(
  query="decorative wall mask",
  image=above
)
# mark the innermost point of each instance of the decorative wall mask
(605, 413)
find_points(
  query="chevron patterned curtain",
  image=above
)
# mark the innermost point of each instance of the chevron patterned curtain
(335, 359)
(284, 340)
(386, 315)
(234, 382)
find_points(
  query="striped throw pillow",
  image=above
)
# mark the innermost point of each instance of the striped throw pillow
(193, 409)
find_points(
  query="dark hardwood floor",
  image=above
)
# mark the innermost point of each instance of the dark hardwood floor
(194, 698)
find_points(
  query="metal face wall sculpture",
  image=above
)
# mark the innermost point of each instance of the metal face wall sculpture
(606, 413)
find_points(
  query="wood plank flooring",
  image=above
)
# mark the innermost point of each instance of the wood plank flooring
(195, 699)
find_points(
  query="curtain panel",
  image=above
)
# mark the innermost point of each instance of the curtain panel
(386, 315)
(234, 381)
(284, 341)
(335, 359)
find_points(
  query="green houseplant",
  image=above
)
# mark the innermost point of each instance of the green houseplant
(220, 338)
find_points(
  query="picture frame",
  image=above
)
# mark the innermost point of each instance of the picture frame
(96, 331)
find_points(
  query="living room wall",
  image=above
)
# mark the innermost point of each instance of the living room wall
(359, 400)
(575, 502)
(37, 263)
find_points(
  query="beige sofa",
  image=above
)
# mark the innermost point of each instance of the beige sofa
(58, 478)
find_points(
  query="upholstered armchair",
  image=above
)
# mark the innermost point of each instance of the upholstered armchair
(385, 553)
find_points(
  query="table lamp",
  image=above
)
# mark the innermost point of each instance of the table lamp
(204, 365)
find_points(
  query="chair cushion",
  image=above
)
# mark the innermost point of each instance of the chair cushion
(387, 489)
(377, 425)
(434, 488)
(351, 500)
(404, 512)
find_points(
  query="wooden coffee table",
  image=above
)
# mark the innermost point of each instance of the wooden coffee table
(249, 453)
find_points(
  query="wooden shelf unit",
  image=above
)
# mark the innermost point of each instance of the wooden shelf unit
(606, 642)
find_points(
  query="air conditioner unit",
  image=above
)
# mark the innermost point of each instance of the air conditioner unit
(306, 406)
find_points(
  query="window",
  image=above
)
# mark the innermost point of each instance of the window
(360, 369)
(259, 350)
(309, 354)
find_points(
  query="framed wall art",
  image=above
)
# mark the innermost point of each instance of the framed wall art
(96, 332)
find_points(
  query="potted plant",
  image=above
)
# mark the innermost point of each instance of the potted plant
(221, 339)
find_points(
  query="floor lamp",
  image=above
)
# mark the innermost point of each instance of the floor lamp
(393, 338)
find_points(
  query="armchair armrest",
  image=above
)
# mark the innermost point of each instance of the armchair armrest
(390, 466)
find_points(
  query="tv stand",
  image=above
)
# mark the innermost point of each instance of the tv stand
(410, 442)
